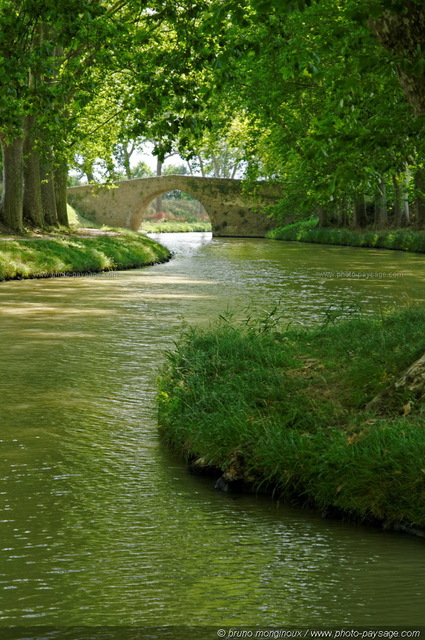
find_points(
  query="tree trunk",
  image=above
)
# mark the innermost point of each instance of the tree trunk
(201, 166)
(401, 202)
(234, 170)
(127, 159)
(89, 174)
(419, 179)
(322, 213)
(126, 163)
(216, 165)
(48, 196)
(410, 383)
(402, 33)
(158, 201)
(405, 210)
(11, 205)
(33, 206)
(110, 168)
(359, 218)
(397, 202)
(60, 180)
(381, 212)
(342, 212)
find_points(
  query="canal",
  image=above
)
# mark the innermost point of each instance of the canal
(103, 527)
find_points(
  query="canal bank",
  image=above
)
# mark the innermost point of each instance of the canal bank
(77, 253)
(294, 411)
(393, 239)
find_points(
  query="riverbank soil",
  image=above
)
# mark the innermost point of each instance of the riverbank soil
(76, 253)
(290, 410)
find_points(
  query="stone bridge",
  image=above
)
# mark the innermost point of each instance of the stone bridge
(232, 211)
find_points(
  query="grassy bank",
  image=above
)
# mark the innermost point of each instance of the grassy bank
(173, 226)
(287, 410)
(308, 231)
(73, 254)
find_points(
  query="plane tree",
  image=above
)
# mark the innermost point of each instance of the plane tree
(323, 99)
(48, 51)
(57, 58)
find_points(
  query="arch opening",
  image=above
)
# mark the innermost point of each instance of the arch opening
(172, 207)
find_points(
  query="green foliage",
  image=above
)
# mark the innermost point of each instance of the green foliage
(175, 169)
(142, 170)
(290, 404)
(321, 99)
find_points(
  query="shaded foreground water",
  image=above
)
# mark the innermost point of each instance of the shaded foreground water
(102, 526)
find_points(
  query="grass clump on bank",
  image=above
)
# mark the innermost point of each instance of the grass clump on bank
(308, 231)
(174, 226)
(287, 409)
(56, 255)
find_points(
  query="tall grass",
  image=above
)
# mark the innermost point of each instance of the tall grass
(61, 255)
(307, 231)
(289, 407)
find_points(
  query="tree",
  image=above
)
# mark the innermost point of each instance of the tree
(58, 57)
(123, 152)
(46, 49)
(142, 170)
(324, 105)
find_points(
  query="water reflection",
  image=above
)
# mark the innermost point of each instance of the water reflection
(102, 526)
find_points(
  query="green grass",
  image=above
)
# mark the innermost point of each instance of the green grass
(308, 231)
(288, 410)
(77, 220)
(173, 226)
(55, 255)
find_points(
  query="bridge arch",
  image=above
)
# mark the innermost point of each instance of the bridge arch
(231, 210)
(140, 213)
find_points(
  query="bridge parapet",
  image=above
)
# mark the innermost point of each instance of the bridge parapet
(232, 211)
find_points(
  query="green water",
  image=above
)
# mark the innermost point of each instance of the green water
(101, 526)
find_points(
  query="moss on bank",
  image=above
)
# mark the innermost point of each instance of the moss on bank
(54, 255)
(308, 231)
(287, 410)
